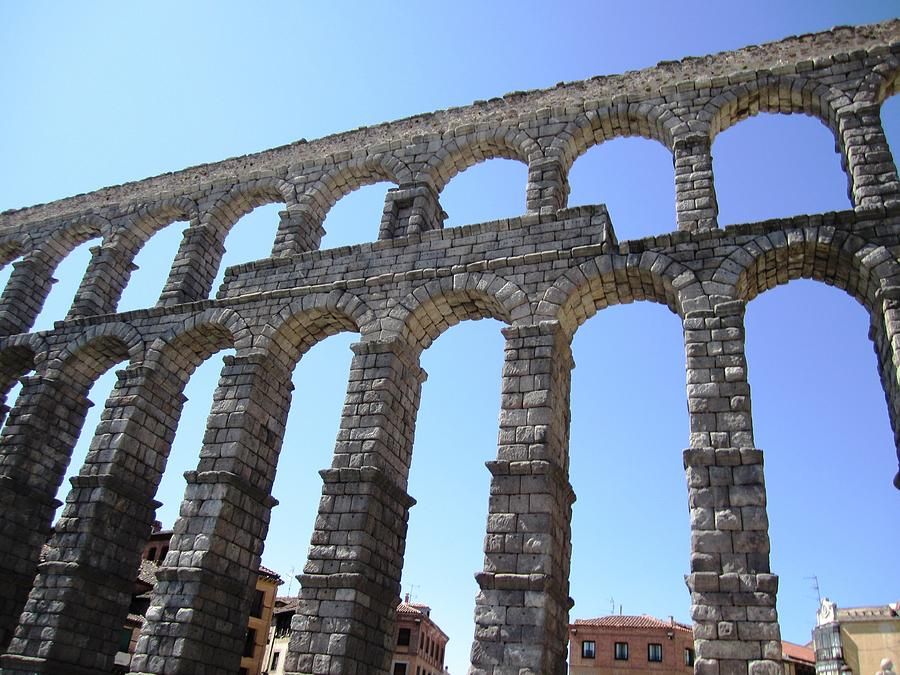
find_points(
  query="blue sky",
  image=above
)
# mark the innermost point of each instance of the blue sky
(102, 93)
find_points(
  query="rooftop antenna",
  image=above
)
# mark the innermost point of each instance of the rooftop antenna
(290, 580)
(815, 585)
(612, 605)
(412, 591)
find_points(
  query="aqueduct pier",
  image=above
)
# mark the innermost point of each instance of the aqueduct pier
(542, 274)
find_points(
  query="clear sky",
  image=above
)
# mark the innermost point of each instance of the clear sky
(99, 93)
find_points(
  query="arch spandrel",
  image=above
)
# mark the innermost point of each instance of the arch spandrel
(424, 313)
(836, 257)
(187, 345)
(15, 361)
(465, 147)
(613, 279)
(94, 351)
(136, 227)
(299, 326)
(881, 83)
(242, 198)
(324, 191)
(652, 121)
(786, 94)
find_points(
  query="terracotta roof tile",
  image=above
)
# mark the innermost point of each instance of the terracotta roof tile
(627, 621)
(147, 572)
(795, 652)
(412, 609)
(266, 572)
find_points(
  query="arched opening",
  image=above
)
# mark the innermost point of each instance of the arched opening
(487, 191)
(69, 274)
(634, 178)
(6, 271)
(630, 526)
(890, 122)
(98, 395)
(250, 238)
(776, 166)
(153, 262)
(356, 217)
(820, 417)
(188, 440)
(456, 435)
(320, 384)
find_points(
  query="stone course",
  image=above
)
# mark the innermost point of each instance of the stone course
(543, 274)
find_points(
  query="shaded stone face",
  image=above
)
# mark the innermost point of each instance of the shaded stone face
(543, 274)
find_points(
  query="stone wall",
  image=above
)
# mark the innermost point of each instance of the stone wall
(543, 274)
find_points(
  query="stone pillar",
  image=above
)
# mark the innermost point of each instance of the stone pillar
(24, 295)
(195, 266)
(717, 388)
(102, 285)
(197, 620)
(350, 586)
(732, 589)
(695, 193)
(411, 210)
(81, 596)
(299, 230)
(548, 186)
(521, 612)
(885, 334)
(867, 158)
(35, 448)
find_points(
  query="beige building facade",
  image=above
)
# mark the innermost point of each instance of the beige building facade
(856, 639)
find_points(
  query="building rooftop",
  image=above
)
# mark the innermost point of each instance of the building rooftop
(630, 621)
(270, 574)
(412, 609)
(795, 652)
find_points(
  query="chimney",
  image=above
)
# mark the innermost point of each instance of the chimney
(406, 598)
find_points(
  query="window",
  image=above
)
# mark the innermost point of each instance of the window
(688, 656)
(257, 608)
(403, 636)
(588, 649)
(621, 651)
(151, 554)
(125, 640)
(399, 669)
(250, 643)
(654, 652)
(275, 657)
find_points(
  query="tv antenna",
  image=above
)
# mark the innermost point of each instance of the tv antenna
(815, 585)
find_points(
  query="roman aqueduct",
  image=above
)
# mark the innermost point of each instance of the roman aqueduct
(542, 274)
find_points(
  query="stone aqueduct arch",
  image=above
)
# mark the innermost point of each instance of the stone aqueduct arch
(542, 274)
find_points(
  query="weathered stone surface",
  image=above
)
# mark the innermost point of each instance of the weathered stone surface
(543, 274)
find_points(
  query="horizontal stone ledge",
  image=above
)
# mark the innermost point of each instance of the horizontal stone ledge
(357, 582)
(81, 570)
(8, 484)
(115, 484)
(368, 475)
(723, 457)
(532, 467)
(199, 575)
(517, 582)
(233, 480)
